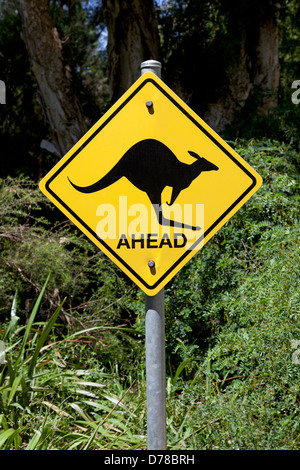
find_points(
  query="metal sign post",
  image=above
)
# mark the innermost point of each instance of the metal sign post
(2, 92)
(155, 346)
(155, 372)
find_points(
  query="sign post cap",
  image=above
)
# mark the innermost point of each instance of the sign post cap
(151, 66)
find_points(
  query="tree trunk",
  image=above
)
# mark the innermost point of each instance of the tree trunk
(266, 71)
(132, 38)
(53, 77)
(255, 71)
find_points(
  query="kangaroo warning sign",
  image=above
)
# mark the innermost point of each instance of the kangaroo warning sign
(150, 183)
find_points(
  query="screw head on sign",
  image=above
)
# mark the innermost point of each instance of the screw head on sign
(151, 263)
(149, 104)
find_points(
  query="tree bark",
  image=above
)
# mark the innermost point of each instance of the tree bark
(266, 71)
(255, 71)
(132, 38)
(54, 79)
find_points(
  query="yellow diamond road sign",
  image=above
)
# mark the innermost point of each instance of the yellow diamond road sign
(150, 183)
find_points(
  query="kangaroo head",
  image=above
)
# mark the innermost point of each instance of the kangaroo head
(201, 164)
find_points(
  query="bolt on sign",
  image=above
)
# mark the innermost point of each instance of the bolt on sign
(150, 183)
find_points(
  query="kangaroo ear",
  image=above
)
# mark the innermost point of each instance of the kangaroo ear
(194, 154)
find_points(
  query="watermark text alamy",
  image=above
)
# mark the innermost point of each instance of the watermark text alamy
(136, 225)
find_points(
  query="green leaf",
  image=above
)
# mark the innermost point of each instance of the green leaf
(9, 434)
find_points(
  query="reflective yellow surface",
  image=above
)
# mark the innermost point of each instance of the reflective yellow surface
(120, 218)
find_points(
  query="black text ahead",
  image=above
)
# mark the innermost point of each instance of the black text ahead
(151, 240)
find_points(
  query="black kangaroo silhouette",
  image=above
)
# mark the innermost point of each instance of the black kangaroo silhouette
(151, 166)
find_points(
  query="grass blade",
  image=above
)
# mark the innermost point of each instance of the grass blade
(31, 320)
(43, 338)
(32, 444)
(179, 369)
(14, 387)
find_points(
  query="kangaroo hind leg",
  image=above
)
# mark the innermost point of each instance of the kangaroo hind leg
(162, 220)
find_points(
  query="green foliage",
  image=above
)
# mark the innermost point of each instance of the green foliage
(18, 373)
(265, 226)
(232, 328)
(37, 240)
(238, 303)
(47, 404)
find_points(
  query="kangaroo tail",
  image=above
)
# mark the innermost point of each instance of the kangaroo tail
(111, 177)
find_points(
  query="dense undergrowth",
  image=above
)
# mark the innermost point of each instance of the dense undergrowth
(72, 374)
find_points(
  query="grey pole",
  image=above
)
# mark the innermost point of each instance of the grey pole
(156, 372)
(155, 347)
